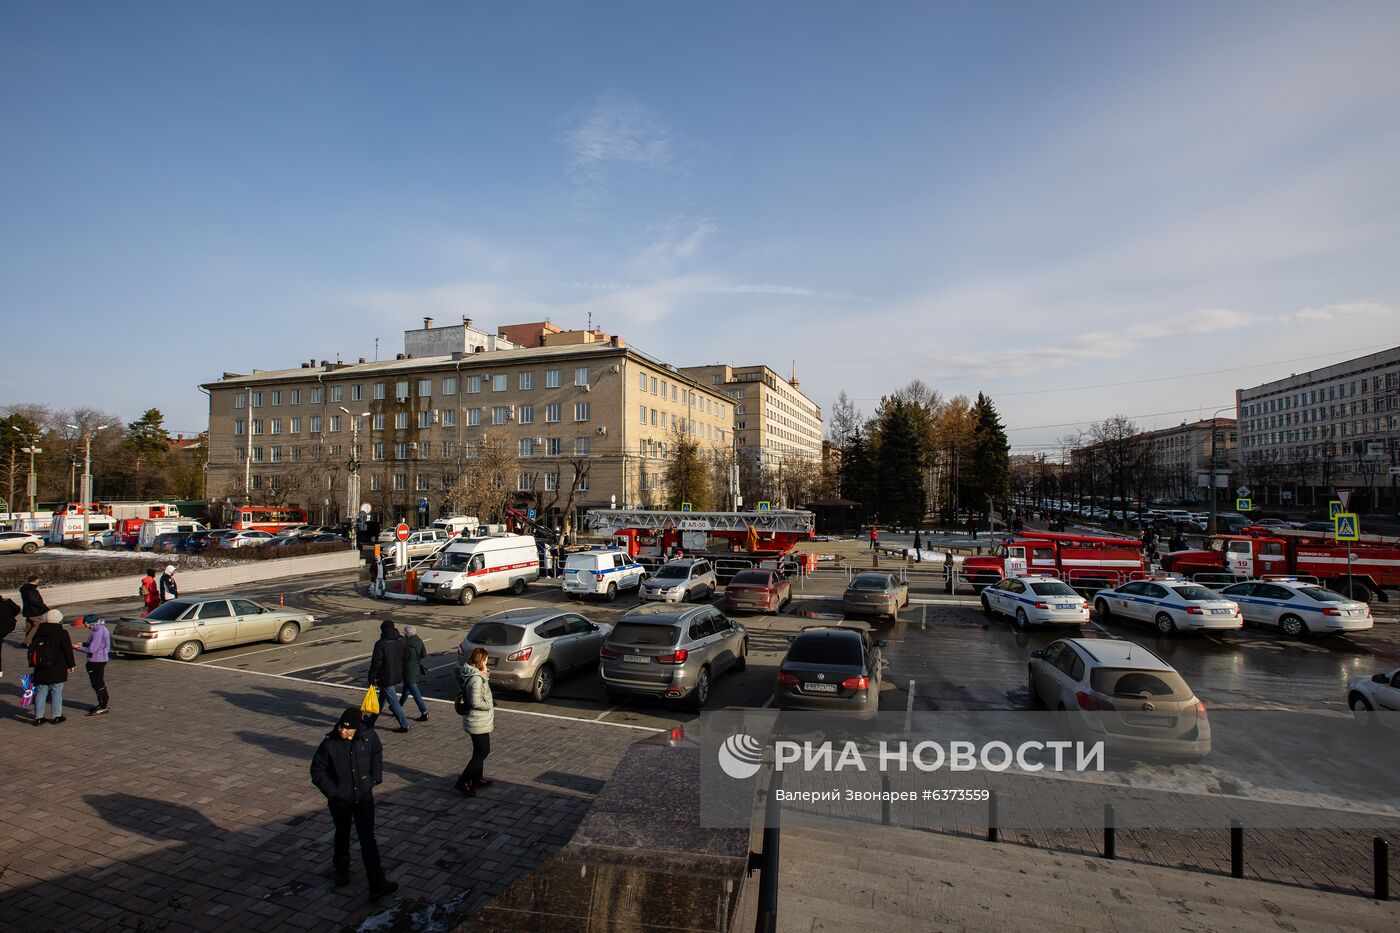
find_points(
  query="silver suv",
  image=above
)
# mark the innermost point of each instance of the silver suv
(671, 652)
(690, 579)
(528, 649)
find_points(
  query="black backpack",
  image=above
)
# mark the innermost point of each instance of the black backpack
(44, 653)
(9, 612)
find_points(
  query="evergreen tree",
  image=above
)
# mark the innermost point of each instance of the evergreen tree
(991, 459)
(858, 471)
(148, 442)
(901, 498)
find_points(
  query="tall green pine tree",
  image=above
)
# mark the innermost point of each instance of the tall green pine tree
(991, 458)
(901, 497)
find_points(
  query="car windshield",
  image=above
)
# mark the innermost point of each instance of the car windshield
(1123, 682)
(825, 649)
(167, 612)
(645, 633)
(750, 578)
(453, 560)
(869, 582)
(1323, 595)
(1052, 589)
(495, 633)
(673, 571)
(1195, 592)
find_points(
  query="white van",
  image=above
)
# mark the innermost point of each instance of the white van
(458, 525)
(153, 528)
(601, 572)
(469, 567)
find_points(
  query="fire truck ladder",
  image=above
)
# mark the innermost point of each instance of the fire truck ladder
(610, 521)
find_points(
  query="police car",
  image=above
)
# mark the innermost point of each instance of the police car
(1171, 604)
(1298, 608)
(601, 571)
(1035, 600)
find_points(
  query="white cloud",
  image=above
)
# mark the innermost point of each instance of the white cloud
(615, 131)
(668, 245)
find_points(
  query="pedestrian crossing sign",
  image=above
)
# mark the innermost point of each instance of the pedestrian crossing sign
(1348, 527)
(686, 507)
(1335, 508)
(1243, 505)
(763, 506)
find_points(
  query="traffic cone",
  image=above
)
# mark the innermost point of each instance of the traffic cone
(80, 621)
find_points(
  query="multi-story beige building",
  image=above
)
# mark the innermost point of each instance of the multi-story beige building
(1181, 458)
(773, 421)
(597, 406)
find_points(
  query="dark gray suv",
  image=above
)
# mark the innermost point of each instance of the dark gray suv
(671, 651)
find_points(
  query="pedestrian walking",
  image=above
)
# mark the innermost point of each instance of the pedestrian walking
(386, 670)
(9, 618)
(918, 547)
(33, 606)
(948, 573)
(1177, 542)
(98, 649)
(874, 537)
(477, 722)
(347, 765)
(149, 591)
(168, 589)
(413, 654)
(972, 525)
(51, 657)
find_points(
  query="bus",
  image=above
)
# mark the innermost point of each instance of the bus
(269, 518)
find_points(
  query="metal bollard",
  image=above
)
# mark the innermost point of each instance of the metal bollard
(1380, 866)
(885, 803)
(280, 603)
(1110, 841)
(993, 818)
(1236, 849)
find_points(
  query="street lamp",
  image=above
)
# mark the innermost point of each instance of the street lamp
(87, 475)
(32, 449)
(1213, 465)
(352, 486)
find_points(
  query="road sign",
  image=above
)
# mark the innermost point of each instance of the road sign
(1348, 526)
(1334, 508)
(686, 507)
(1243, 492)
(530, 514)
(1395, 471)
(763, 506)
(422, 505)
(365, 507)
(401, 532)
(1244, 505)
(1344, 496)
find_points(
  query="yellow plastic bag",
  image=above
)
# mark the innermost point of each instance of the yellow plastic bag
(370, 704)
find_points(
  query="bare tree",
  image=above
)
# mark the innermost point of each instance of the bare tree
(485, 487)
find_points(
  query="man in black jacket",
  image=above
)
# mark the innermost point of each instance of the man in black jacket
(386, 670)
(34, 608)
(9, 615)
(347, 765)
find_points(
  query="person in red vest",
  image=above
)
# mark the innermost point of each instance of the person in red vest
(149, 592)
(874, 537)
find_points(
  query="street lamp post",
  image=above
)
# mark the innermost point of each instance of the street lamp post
(32, 449)
(1214, 464)
(352, 484)
(87, 475)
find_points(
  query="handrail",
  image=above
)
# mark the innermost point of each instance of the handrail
(766, 862)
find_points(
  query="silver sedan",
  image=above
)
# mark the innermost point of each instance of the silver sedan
(185, 628)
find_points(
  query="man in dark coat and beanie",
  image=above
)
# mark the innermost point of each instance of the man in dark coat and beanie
(347, 765)
(386, 670)
(34, 608)
(51, 656)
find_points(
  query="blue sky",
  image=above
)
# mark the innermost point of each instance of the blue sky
(1023, 199)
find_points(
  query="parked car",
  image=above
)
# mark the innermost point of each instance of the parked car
(875, 593)
(1299, 609)
(1036, 600)
(169, 542)
(21, 541)
(757, 591)
(1377, 694)
(201, 540)
(425, 541)
(1169, 604)
(186, 627)
(293, 531)
(601, 572)
(527, 650)
(671, 652)
(468, 567)
(1120, 693)
(831, 669)
(245, 539)
(689, 579)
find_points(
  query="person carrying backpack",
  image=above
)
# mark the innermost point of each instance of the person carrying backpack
(51, 657)
(34, 607)
(149, 592)
(9, 618)
(168, 590)
(414, 653)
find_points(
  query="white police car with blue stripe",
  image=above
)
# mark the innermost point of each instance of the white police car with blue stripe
(1298, 608)
(1035, 600)
(1170, 604)
(601, 572)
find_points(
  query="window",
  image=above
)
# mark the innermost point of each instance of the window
(675, 392)
(551, 482)
(553, 446)
(275, 454)
(257, 425)
(449, 385)
(425, 419)
(422, 482)
(316, 395)
(551, 413)
(500, 414)
(641, 380)
(583, 484)
(401, 389)
(276, 426)
(582, 411)
(296, 453)
(295, 426)
(526, 414)
(642, 410)
(551, 378)
(257, 399)
(401, 450)
(527, 447)
(447, 450)
(653, 417)
(337, 393)
(377, 451)
(240, 400)
(357, 393)
(498, 382)
(473, 385)
(581, 376)
(376, 483)
(526, 482)
(473, 417)
(378, 390)
(663, 388)
(376, 421)
(277, 396)
(315, 424)
(449, 417)
(400, 481)
(653, 385)
(257, 455)
(582, 446)
(425, 388)
(400, 420)
(240, 428)
(527, 380)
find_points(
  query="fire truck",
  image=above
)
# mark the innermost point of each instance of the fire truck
(1260, 552)
(1085, 562)
(732, 541)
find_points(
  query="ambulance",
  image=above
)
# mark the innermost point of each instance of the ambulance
(469, 567)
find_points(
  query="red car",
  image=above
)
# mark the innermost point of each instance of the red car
(757, 591)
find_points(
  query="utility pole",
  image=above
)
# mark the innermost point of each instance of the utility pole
(87, 476)
(352, 491)
(32, 449)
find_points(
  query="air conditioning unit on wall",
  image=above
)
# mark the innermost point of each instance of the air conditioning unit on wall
(602, 431)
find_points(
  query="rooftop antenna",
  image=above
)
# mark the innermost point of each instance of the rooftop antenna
(376, 349)
(590, 321)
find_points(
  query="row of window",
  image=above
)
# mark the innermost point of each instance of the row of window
(423, 482)
(499, 382)
(528, 447)
(447, 417)
(1345, 429)
(660, 387)
(1363, 406)
(657, 419)
(1388, 382)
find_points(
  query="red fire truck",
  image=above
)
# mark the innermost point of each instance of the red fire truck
(1083, 561)
(1259, 552)
(731, 540)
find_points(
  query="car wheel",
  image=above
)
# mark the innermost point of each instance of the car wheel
(1021, 620)
(611, 594)
(701, 694)
(743, 659)
(466, 595)
(1165, 624)
(1032, 698)
(517, 588)
(543, 684)
(188, 651)
(1361, 711)
(288, 633)
(1293, 626)
(29, 547)
(1101, 607)
(987, 606)
(1359, 591)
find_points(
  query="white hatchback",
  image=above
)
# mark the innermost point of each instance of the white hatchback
(1299, 609)
(1170, 605)
(1036, 600)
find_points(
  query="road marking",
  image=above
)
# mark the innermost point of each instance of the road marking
(499, 709)
(438, 667)
(312, 667)
(909, 708)
(923, 617)
(610, 709)
(768, 702)
(295, 644)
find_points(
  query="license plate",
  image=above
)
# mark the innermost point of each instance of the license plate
(1354, 612)
(1222, 612)
(636, 659)
(490, 663)
(1163, 721)
(819, 688)
(427, 587)
(1066, 606)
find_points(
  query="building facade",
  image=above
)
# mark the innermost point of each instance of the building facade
(1303, 437)
(411, 427)
(1182, 458)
